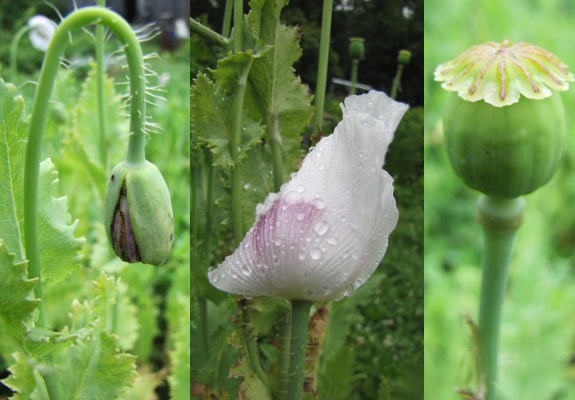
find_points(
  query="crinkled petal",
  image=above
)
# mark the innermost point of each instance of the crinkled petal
(324, 234)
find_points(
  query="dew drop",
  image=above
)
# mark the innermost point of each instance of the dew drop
(246, 271)
(300, 188)
(321, 167)
(358, 282)
(308, 293)
(318, 154)
(223, 275)
(278, 241)
(301, 256)
(345, 254)
(315, 253)
(318, 203)
(247, 186)
(321, 227)
(215, 278)
(332, 240)
(300, 216)
(211, 268)
(234, 275)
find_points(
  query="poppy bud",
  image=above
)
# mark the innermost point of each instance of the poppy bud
(138, 213)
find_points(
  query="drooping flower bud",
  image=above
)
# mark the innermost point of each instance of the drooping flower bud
(138, 213)
(42, 30)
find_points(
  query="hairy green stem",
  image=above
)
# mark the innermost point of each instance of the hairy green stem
(323, 61)
(275, 139)
(226, 26)
(354, 68)
(298, 345)
(500, 219)
(100, 51)
(396, 81)
(14, 50)
(207, 33)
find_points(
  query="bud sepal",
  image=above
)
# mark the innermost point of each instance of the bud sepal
(138, 213)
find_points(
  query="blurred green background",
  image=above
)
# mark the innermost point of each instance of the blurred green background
(537, 334)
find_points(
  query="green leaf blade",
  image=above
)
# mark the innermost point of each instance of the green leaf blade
(13, 133)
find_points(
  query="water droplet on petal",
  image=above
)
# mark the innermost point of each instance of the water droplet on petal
(315, 253)
(278, 241)
(321, 227)
(300, 216)
(246, 271)
(318, 154)
(300, 188)
(332, 240)
(308, 293)
(358, 282)
(321, 167)
(211, 268)
(318, 203)
(215, 278)
(301, 256)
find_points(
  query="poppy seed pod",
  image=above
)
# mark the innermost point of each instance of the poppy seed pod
(504, 130)
(138, 213)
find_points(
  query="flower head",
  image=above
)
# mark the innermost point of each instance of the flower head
(42, 30)
(326, 231)
(500, 73)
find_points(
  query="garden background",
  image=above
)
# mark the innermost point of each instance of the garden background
(538, 330)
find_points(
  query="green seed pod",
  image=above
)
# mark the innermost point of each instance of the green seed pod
(138, 213)
(356, 48)
(508, 151)
(403, 57)
(499, 143)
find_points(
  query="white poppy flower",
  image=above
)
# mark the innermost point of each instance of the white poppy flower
(326, 231)
(42, 30)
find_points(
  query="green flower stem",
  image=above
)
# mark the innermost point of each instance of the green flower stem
(396, 80)
(238, 25)
(100, 49)
(284, 356)
(500, 219)
(14, 50)
(298, 345)
(226, 27)
(72, 23)
(323, 61)
(207, 33)
(354, 68)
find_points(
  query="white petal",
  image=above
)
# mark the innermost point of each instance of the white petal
(326, 231)
(42, 31)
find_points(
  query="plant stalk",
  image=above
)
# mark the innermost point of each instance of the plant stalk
(226, 26)
(284, 356)
(396, 81)
(298, 345)
(207, 33)
(14, 50)
(354, 68)
(323, 62)
(50, 67)
(100, 51)
(500, 219)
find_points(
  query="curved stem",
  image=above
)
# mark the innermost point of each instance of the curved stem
(323, 61)
(299, 320)
(14, 49)
(500, 219)
(75, 21)
(100, 49)
(207, 33)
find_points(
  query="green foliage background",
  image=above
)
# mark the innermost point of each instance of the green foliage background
(538, 329)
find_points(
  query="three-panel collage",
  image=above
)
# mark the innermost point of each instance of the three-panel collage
(287, 200)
